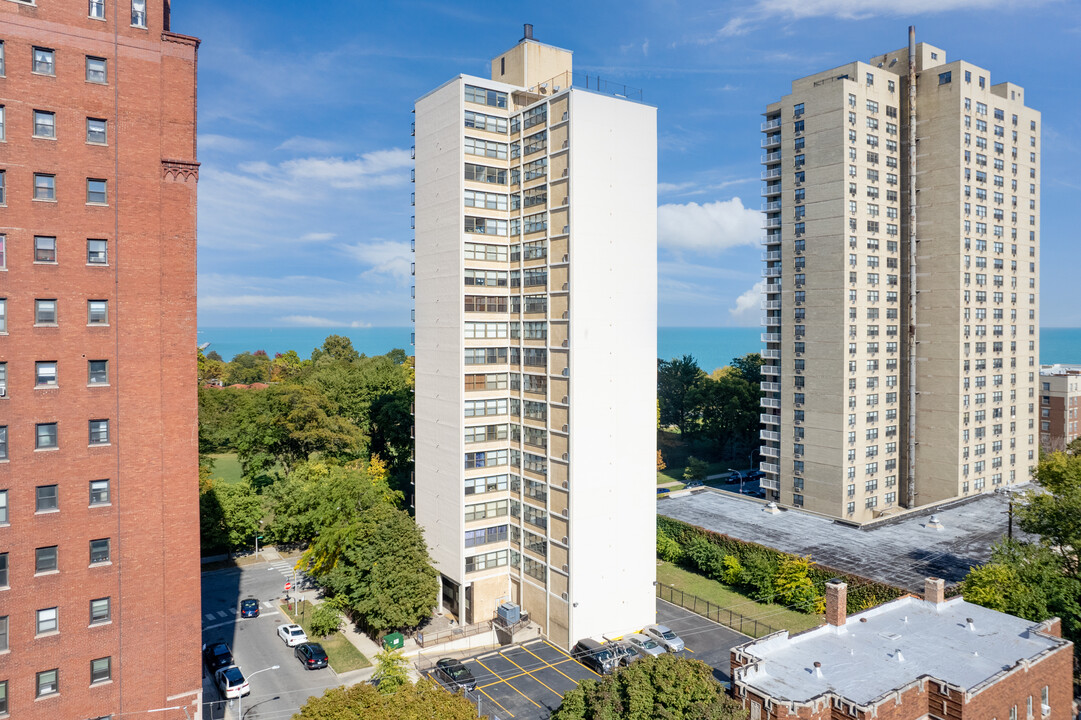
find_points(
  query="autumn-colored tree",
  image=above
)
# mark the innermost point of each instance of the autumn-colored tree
(426, 699)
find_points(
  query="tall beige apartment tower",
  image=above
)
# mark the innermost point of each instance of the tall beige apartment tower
(901, 309)
(536, 317)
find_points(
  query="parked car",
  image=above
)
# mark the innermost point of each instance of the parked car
(311, 655)
(694, 484)
(663, 491)
(216, 655)
(755, 475)
(625, 653)
(597, 657)
(231, 682)
(293, 634)
(664, 637)
(455, 674)
(249, 608)
(643, 644)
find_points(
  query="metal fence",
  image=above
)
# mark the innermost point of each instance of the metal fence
(716, 613)
(427, 639)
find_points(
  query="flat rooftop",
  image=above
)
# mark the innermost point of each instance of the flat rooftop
(901, 552)
(901, 641)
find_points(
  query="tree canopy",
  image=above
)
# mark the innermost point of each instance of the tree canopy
(667, 687)
(423, 701)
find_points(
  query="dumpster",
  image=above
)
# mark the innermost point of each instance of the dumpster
(393, 641)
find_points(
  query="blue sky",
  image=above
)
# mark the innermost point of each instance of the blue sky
(304, 117)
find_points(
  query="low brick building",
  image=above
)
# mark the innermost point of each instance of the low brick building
(1060, 406)
(909, 659)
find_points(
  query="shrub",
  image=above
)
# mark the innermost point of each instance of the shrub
(667, 548)
(733, 570)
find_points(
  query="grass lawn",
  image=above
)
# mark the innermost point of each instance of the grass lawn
(676, 453)
(727, 596)
(342, 654)
(226, 467)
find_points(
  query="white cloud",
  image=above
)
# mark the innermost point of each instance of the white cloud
(713, 226)
(318, 236)
(318, 146)
(762, 10)
(309, 178)
(387, 257)
(748, 305)
(307, 321)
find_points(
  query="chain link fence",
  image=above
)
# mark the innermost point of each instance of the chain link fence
(724, 616)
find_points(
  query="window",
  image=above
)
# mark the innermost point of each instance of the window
(97, 372)
(47, 498)
(44, 61)
(96, 70)
(46, 436)
(492, 98)
(99, 492)
(4, 451)
(3, 643)
(138, 13)
(44, 124)
(44, 249)
(3, 569)
(2, 63)
(48, 682)
(97, 252)
(3, 507)
(96, 131)
(44, 187)
(97, 312)
(47, 621)
(100, 670)
(97, 9)
(100, 611)
(3, 186)
(45, 559)
(99, 551)
(99, 432)
(944, 78)
(45, 312)
(96, 192)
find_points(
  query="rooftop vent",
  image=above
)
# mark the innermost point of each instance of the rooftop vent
(970, 625)
(818, 669)
(527, 31)
(897, 654)
(933, 523)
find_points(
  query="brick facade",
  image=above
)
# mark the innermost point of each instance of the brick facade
(148, 220)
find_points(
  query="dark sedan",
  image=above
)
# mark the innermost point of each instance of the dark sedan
(455, 674)
(216, 655)
(311, 655)
(249, 608)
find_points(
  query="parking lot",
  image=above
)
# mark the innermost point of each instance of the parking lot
(528, 682)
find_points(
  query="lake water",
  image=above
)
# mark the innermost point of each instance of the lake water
(711, 347)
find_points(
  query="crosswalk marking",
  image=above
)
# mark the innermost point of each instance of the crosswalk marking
(210, 616)
(222, 613)
(268, 604)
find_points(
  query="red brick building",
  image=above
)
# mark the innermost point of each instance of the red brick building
(1060, 406)
(909, 659)
(99, 543)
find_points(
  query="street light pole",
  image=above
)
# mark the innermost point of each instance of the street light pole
(240, 698)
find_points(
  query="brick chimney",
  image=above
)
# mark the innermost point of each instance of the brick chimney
(934, 590)
(836, 602)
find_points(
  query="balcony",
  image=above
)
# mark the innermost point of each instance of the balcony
(771, 173)
(771, 223)
(768, 483)
(767, 451)
(773, 206)
(771, 256)
(772, 403)
(770, 124)
(772, 157)
(772, 141)
(771, 337)
(769, 419)
(771, 370)
(770, 435)
(769, 468)
(771, 354)
(771, 304)
(771, 272)
(771, 189)
(770, 239)
(771, 321)
(770, 387)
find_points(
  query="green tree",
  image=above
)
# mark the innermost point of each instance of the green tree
(728, 407)
(427, 699)
(676, 380)
(247, 368)
(287, 424)
(326, 619)
(286, 366)
(750, 367)
(696, 469)
(794, 586)
(667, 548)
(335, 348)
(1053, 511)
(219, 410)
(391, 671)
(229, 515)
(665, 687)
(376, 563)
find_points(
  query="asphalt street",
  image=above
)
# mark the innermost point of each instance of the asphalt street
(275, 694)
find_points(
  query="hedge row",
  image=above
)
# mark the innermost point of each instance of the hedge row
(863, 593)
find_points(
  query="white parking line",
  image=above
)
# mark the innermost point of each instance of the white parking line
(210, 616)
